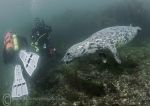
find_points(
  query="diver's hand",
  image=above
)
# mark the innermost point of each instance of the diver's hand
(52, 51)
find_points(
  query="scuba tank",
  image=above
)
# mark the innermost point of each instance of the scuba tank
(11, 41)
(15, 42)
(11, 47)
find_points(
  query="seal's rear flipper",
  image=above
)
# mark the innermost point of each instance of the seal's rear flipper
(115, 54)
(19, 87)
(30, 61)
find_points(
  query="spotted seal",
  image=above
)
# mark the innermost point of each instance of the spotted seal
(109, 38)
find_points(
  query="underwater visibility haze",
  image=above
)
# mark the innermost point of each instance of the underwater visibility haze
(64, 67)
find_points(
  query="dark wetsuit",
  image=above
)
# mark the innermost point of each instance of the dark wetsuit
(40, 33)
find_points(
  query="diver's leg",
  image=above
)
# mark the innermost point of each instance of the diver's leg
(115, 53)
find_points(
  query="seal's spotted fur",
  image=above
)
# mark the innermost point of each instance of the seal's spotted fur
(108, 38)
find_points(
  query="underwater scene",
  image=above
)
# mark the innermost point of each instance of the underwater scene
(75, 53)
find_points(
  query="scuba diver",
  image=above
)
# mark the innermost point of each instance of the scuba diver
(15, 51)
(41, 37)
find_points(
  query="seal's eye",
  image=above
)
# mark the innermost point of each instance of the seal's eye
(68, 54)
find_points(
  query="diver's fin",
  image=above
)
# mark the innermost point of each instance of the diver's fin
(115, 53)
(29, 60)
(19, 87)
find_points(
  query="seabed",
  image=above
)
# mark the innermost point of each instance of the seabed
(89, 82)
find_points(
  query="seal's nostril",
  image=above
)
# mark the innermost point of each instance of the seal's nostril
(67, 62)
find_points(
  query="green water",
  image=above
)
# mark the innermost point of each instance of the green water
(73, 21)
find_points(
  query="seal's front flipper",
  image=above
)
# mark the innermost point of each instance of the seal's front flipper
(115, 54)
(19, 87)
(30, 61)
(103, 57)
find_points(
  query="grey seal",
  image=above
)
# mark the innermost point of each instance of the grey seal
(109, 38)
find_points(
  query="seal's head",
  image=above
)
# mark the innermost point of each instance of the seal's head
(73, 52)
